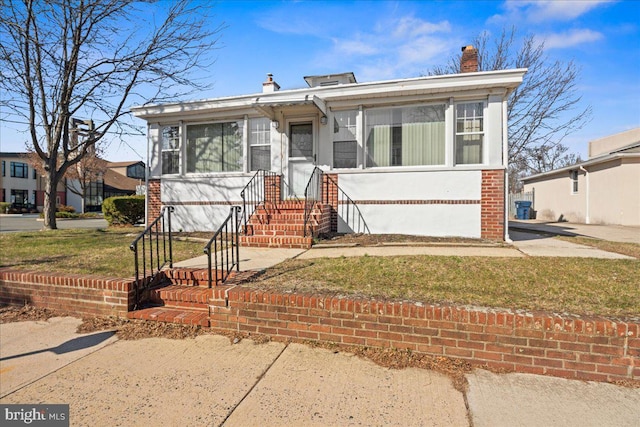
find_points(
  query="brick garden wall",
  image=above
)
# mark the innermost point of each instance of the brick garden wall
(596, 349)
(83, 296)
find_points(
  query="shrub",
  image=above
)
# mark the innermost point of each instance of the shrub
(4, 206)
(123, 210)
(65, 208)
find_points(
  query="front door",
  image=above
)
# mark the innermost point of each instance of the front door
(302, 156)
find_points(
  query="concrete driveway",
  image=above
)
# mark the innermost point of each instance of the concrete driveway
(209, 381)
(537, 244)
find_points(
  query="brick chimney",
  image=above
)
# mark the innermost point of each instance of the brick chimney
(469, 60)
(270, 85)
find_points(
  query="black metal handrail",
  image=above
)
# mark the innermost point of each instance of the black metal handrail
(157, 249)
(226, 247)
(312, 194)
(348, 210)
(253, 194)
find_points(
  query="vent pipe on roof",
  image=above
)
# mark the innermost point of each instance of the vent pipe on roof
(469, 60)
(270, 85)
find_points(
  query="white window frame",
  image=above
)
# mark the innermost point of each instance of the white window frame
(447, 125)
(241, 124)
(573, 178)
(251, 133)
(353, 128)
(483, 132)
(174, 150)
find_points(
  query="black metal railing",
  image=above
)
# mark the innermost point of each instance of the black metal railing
(253, 194)
(226, 248)
(152, 250)
(312, 195)
(347, 210)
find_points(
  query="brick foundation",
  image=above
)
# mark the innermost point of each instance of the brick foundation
(596, 349)
(81, 296)
(330, 187)
(492, 205)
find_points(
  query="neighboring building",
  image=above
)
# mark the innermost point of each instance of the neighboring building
(118, 179)
(22, 186)
(422, 156)
(605, 189)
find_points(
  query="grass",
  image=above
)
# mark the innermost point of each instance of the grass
(97, 252)
(575, 285)
(630, 249)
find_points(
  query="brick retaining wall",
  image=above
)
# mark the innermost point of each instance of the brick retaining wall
(596, 349)
(82, 296)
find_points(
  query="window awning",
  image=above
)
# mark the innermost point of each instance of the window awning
(268, 107)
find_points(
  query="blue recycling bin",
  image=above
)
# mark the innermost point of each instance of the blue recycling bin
(523, 208)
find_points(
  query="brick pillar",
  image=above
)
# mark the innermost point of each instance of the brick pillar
(492, 205)
(330, 187)
(154, 199)
(272, 188)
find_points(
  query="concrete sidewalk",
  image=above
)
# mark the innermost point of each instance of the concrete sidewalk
(613, 233)
(209, 381)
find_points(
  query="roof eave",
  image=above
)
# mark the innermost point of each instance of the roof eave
(507, 79)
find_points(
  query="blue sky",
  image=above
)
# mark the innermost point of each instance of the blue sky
(380, 40)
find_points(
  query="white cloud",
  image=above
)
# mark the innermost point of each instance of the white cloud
(392, 48)
(571, 38)
(354, 47)
(412, 27)
(545, 10)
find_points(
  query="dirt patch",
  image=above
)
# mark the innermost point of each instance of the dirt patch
(361, 239)
(139, 329)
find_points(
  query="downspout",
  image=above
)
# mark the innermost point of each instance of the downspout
(586, 177)
(505, 161)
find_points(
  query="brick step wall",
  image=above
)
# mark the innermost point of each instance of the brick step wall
(281, 225)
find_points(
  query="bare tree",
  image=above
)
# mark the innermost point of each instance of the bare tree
(63, 60)
(543, 110)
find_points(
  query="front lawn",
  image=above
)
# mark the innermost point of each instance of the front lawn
(96, 252)
(574, 285)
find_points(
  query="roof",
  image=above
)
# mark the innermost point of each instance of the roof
(504, 80)
(122, 164)
(629, 151)
(117, 180)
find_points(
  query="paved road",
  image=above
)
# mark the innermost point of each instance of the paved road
(16, 223)
(209, 381)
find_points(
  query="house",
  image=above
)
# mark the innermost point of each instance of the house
(114, 179)
(605, 189)
(22, 186)
(421, 156)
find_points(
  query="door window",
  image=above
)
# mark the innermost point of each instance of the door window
(301, 141)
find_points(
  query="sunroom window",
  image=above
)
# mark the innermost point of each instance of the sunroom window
(469, 132)
(260, 144)
(407, 136)
(345, 145)
(214, 147)
(170, 150)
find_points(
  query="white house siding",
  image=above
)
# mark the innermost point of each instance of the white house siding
(434, 203)
(554, 200)
(202, 203)
(614, 194)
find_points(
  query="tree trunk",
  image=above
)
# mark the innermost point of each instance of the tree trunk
(50, 195)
